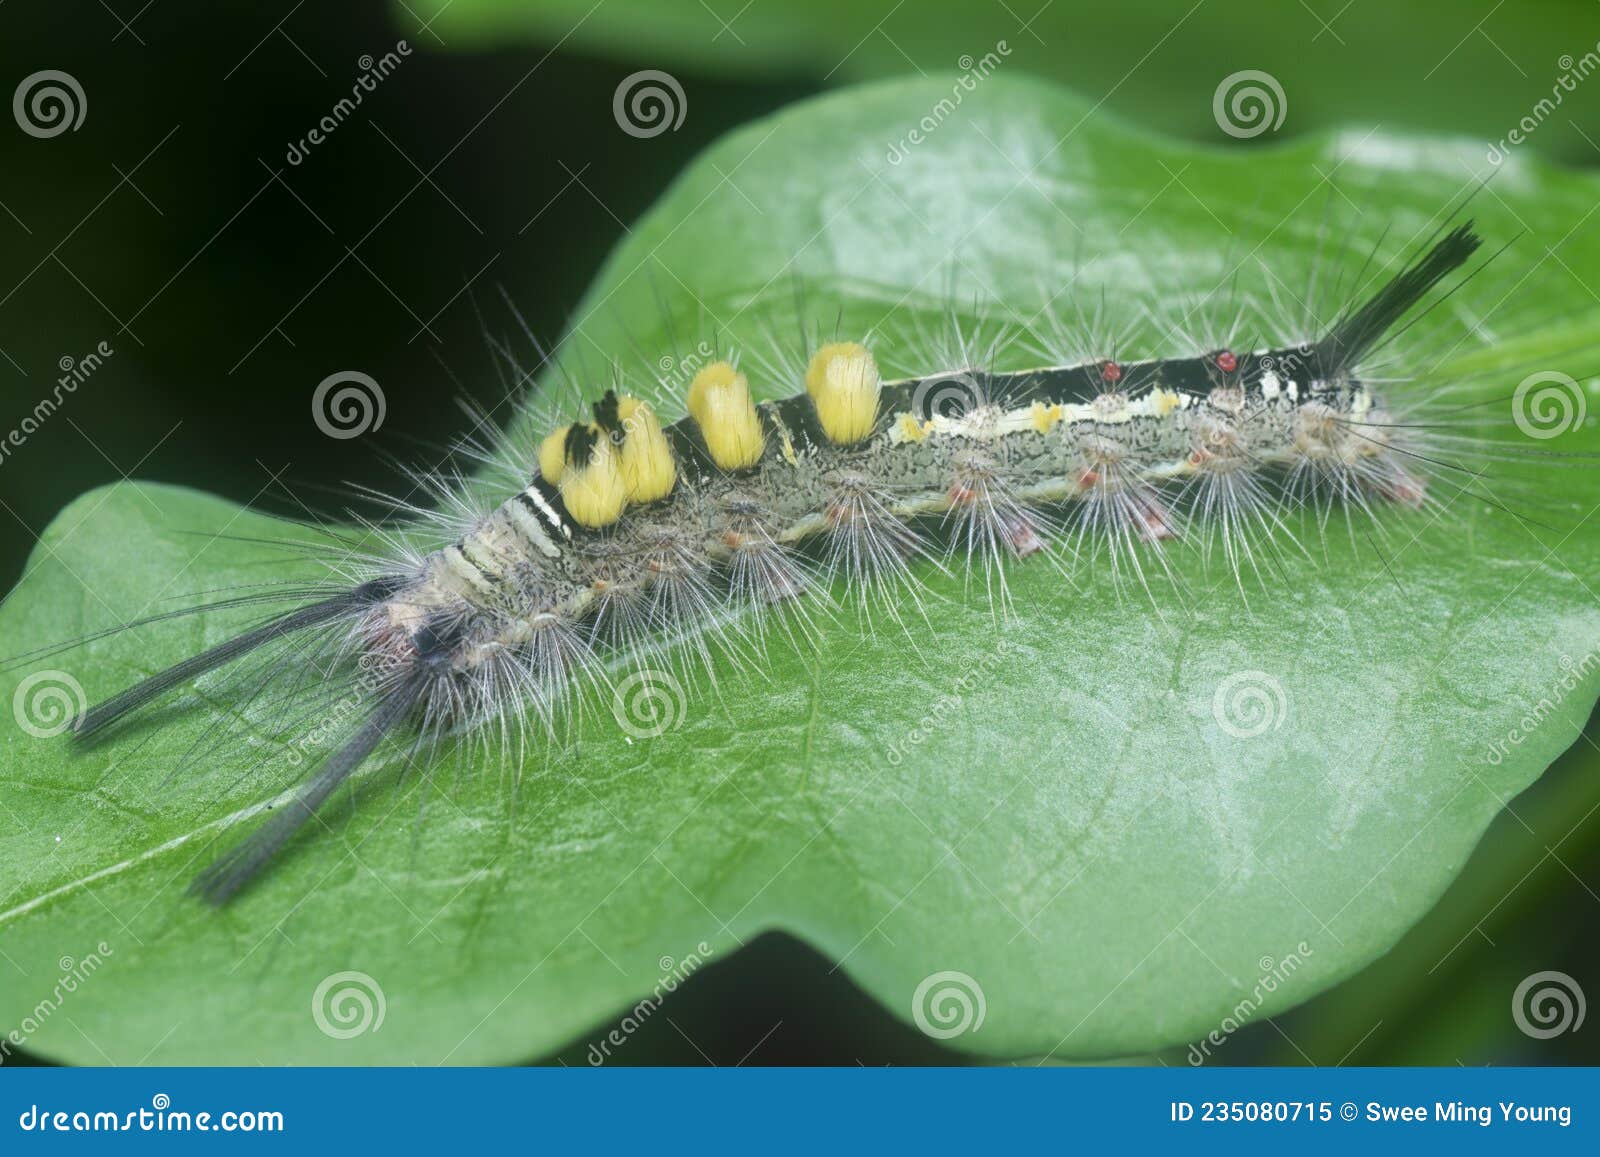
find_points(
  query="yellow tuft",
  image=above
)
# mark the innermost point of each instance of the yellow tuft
(844, 387)
(553, 455)
(719, 402)
(1045, 417)
(594, 493)
(1166, 401)
(648, 470)
(911, 430)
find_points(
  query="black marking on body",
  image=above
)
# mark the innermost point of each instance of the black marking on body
(579, 445)
(462, 548)
(1081, 384)
(695, 464)
(555, 511)
(799, 418)
(607, 418)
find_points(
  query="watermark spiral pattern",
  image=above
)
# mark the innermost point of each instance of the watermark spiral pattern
(348, 1004)
(648, 103)
(649, 703)
(348, 404)
(948, 1004)
(1248, 704)
(1248, 103)
(47, 702)
(948, 396)
(49, 103)
(1548, 404)
(1547, 1004)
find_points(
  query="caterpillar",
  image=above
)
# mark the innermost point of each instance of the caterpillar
(628, 531)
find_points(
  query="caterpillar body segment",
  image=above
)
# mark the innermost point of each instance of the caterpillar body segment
(629, 529)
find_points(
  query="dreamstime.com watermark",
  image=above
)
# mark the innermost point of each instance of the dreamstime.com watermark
(1547, 404)
(46, 703)
(1248, 103)
(675, 373)
(1248, 704)
(951, 396)
(376, 670)
(347, 404)
(648, 704)
(948, 1004)
(1573, 73)
(1572, 676)
(373, 72)
(648, 103)
(673, 973)
(348, 1004)
(160, 1117)
(74, 974)
(49, 103)
(972, 72)
(74, 372)
(940, 710)
(1547, 1004)
(1274, 974)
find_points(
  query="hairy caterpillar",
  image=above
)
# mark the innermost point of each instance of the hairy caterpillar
(626, 528)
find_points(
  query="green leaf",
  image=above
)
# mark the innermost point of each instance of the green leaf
(1047, 803)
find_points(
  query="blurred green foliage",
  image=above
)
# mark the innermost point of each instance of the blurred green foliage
(1443, 66)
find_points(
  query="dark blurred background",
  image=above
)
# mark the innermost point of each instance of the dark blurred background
(488, 167)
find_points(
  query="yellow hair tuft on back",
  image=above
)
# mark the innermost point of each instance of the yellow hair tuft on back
(648, 469)
(720, 404)
(844, 386)
(553, 455)
(593, 491)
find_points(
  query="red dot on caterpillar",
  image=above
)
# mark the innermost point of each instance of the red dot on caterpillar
(1021, 537)
(841, 512)
(1406, 488)
(1110, 372)
(1227, 362)
(962, 495)
(1154, 520)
